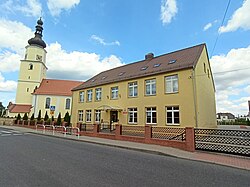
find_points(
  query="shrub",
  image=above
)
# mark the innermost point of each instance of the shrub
(59, 119)
(25, 117)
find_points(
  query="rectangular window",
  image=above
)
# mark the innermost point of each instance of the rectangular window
(114, 92)
(67, 106)
(173, 115)
(172, 84)
(47, 103)
(132, 89)
(97, 115)
(98, 94)
(81, 97)
(132, 115)
(80, 115)
(89, 95)
(151, 115)
(150, 87)
(88, 115)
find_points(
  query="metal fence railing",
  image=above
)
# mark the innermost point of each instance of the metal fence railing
(227, 141)
(133, 131)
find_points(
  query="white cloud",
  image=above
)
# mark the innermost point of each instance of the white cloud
(233, 85)
(168, 11)
(6, 85)
(14, 35)
(102, 41)
(30, 8)
(239, 19)
(207, 26)
(56, 6)
(77, 65)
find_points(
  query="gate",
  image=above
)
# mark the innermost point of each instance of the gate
(226, 141)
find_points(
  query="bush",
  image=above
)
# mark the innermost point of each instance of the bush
(67, 118)
(32, 117)
(46, 117)
(18, 117)
(39, 116)
(59, 119)
(25, 117)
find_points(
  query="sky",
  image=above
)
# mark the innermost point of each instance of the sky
(85, 37)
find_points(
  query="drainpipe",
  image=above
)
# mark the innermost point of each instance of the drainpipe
(195, 98)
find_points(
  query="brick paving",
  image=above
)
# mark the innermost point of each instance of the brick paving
(210, 157)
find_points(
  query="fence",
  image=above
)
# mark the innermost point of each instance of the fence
(226, 141)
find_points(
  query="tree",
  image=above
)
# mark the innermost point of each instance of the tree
(18, 117)
(32, 117)
(25, 117)
(46, 117)
(59, 119)
(67, 117)
(52, 118)
(39, 116)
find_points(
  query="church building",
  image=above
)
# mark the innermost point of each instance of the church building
(36, 93)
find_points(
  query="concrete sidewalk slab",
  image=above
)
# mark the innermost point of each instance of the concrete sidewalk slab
(240, 162)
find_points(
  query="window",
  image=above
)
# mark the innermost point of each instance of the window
(171, 84)
(67, 106)
(173, 115)
(98, 94)
(132, 89)
(47, 103)
(132, 115)
(144, 68)
(114, 92)
(88, 115)
(208, 73)
(171, 61)
(28, 89)
(89, 94)
(151, 87)
(80, 115)
(30, 66)
(157, 65)
(151, 115)
(97, 115)
(204, 68)
(81, 97)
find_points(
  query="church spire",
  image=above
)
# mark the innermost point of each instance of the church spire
(37, 40)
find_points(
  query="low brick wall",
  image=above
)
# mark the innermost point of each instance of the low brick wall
(6, 121)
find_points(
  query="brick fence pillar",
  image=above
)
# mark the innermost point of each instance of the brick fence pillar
(22, 122)
(118, 131)
(96, 129)
(148, 133)
(190, 141)
(28, 122)
(17, 122)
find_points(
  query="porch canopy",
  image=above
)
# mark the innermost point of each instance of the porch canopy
(107, 107)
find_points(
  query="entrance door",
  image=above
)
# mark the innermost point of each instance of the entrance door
(113, 116)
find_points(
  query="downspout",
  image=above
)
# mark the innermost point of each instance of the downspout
(195, 97)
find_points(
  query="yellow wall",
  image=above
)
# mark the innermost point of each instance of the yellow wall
(183, 99)
(29, 79)
(206, 107)
(58, 101)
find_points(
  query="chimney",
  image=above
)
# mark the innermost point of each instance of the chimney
(149, 56)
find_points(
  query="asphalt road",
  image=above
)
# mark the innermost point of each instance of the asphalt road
(36, 160)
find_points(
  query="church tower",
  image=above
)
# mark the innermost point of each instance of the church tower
(32, 68)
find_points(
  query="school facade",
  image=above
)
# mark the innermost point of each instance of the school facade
(175, 89)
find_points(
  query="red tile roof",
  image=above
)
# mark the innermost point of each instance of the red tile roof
(19, 108)
(174, 61)
(56, 87)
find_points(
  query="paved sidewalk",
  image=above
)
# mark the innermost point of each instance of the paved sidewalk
(216, 158)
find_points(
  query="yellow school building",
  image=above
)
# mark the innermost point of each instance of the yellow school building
(175, 89)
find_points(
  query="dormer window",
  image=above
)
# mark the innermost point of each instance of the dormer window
(30, 66)
(120, 74)
(144, 68)
(171, 61)
(156, 65)
(103, 77)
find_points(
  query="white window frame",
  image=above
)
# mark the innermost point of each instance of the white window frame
(89, 95)
(150, 85)
(67, 103)
(150, 111)
(80, 115)
(97, 116)
(172, 110)
(98, 94)
(114, 92)
(170, 82)
(88, 115)
(133, 89)
(132, 112)
(81, 96)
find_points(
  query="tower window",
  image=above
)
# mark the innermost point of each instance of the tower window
(28, 89)
(30, 66)
(67, 104)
